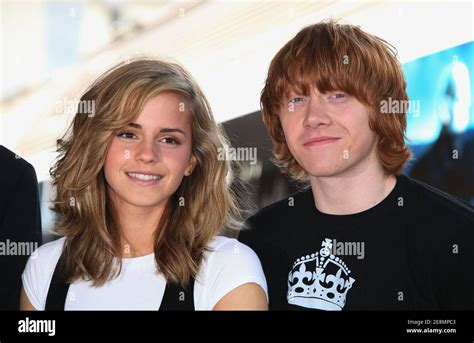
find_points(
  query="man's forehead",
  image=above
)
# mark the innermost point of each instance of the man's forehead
(299, 87)
(306, 89)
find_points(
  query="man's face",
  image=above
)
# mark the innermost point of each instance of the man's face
(328, 134)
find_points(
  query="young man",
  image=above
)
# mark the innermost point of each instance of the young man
(361, 236)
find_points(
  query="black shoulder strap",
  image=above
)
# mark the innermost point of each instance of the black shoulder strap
(57, 288)
(175, 297)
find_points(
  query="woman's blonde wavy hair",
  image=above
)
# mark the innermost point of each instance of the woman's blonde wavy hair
(87, 218)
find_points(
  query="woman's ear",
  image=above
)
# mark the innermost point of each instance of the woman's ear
(191, 165)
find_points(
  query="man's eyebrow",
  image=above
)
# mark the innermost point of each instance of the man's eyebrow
(163, 130)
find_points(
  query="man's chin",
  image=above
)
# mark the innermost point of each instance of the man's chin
(323, 171)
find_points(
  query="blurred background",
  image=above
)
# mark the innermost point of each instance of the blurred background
(52, 50)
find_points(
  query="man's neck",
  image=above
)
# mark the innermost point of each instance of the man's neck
(349, 194)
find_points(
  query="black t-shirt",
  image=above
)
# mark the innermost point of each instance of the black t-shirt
(412, 251)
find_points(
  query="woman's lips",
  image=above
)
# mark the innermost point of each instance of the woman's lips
(144, 179)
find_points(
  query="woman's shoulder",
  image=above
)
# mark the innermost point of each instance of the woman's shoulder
(49, 252)
(232, 257)
(227, 265)
(221, 247)
(39, 271)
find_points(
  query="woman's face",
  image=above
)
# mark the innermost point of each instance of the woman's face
(147, 160)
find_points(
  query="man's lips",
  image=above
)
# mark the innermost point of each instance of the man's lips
(322, 140)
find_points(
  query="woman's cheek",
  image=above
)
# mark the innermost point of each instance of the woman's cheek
(115, 154)
(177, 160)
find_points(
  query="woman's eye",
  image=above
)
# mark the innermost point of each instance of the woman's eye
(127, 135)
(169, 140)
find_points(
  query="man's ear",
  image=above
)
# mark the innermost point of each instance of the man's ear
(191, 165)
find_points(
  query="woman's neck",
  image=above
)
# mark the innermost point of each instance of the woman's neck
(137, 227)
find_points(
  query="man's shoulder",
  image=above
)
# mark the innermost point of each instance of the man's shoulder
(435, 199)
(12, 161)
(436, 206)
(293, 203)
(277, 216)
(16, 171)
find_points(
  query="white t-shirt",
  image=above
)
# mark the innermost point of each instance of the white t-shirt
(228, 265)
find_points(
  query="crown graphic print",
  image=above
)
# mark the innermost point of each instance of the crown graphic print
(319, 281)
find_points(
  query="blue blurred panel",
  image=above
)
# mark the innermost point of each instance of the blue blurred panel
(432, 80)
(441, 133)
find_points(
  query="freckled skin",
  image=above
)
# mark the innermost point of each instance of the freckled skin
(334, 114)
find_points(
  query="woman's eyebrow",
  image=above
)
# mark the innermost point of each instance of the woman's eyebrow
(135, 125)
(172, 129)
(163, 130)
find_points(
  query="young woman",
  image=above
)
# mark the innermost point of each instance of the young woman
(141, 199)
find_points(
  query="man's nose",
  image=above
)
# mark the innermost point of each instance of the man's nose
(316, 112)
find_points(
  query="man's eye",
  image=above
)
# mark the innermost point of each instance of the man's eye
(297, 99)
(169, 140)
(338, 96)
(127, 135)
